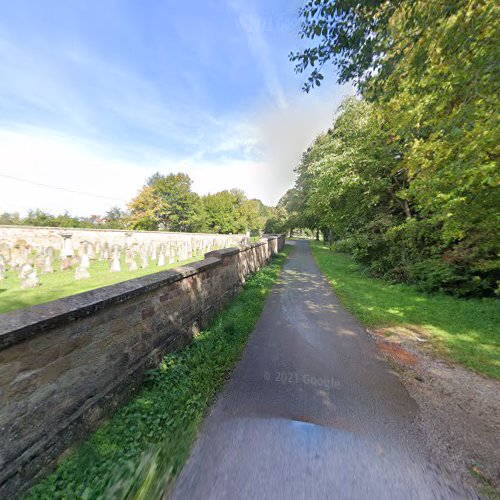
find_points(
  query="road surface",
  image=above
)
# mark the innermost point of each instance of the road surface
(311, 411)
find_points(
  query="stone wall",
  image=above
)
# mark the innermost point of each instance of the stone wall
(67, 364)
(41, 237)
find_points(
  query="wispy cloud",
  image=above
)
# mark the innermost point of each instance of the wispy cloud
(260, 49)
(102, 101)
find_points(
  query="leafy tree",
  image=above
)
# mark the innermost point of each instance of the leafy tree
(38, 217)
(166, 202)
(253, 215)
(408, 179)
(223, 211)
(12, 218)
(115, 218)
(277, 222)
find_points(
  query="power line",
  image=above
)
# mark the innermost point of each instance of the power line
(62, 188)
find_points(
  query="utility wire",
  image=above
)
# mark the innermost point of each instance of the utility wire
(61, 188)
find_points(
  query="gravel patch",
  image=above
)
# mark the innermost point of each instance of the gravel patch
(459, 409)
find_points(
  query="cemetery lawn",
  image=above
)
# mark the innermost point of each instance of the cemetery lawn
(463, 330)
(61, 284)
(138, 452)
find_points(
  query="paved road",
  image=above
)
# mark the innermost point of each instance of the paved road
(311, 411)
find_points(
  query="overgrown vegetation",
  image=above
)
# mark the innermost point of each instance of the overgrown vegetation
(61, 284)
(144, 445)
(407, 180)
(465, 330)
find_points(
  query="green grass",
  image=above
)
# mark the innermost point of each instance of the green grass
(467, 331)
(145, 444)
(60, 284)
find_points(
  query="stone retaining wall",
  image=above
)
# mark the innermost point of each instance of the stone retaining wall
(67, 364)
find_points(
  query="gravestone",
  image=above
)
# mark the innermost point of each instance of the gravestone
(132, 265)
(25, 270)
(105, 252)
(67, 245)
(30, 280)
(171, 253)
(161, 259)
(84, 261)
(81, 273)
(5, 252)
(48, 265)
(115, 263)
(144, 258)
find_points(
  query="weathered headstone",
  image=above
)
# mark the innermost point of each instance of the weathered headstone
(48, 265)
(171, 253)
(115, 263)
(161, 259)
(67, 245)
(25, 270)
(144, 258)
(30, 280)
(105, 252)
(81, 273)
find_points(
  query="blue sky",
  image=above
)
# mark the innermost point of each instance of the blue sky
(97, 95)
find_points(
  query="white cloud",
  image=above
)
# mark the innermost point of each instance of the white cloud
(76, 165)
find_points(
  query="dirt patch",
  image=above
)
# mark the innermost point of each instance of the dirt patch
(459, 409)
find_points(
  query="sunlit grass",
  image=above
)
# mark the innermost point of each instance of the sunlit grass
(467, 331)
(61, 284)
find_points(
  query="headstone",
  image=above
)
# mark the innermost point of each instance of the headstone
(30, 280)
(67, 245)
(48, 265)
(153, 252)
(161, 259)
(132, 265)
(171, 253)
(115, 263)
(84, 261)
(25, 270)
(105, 252)
(2, 268)
(144, 258)
(81, 273)
(5, 252)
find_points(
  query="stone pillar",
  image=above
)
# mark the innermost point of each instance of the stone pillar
(67, 245)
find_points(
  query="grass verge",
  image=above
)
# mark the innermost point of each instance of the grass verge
(138, 452)
(466, 331)
(61, 284)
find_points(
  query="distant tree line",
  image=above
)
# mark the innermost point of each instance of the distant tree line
(115, 218)
(407, 180)
(166, 202)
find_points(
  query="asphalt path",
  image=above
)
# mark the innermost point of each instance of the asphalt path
(311, 411)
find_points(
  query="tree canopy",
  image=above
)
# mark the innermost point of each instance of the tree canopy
(407, 179)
